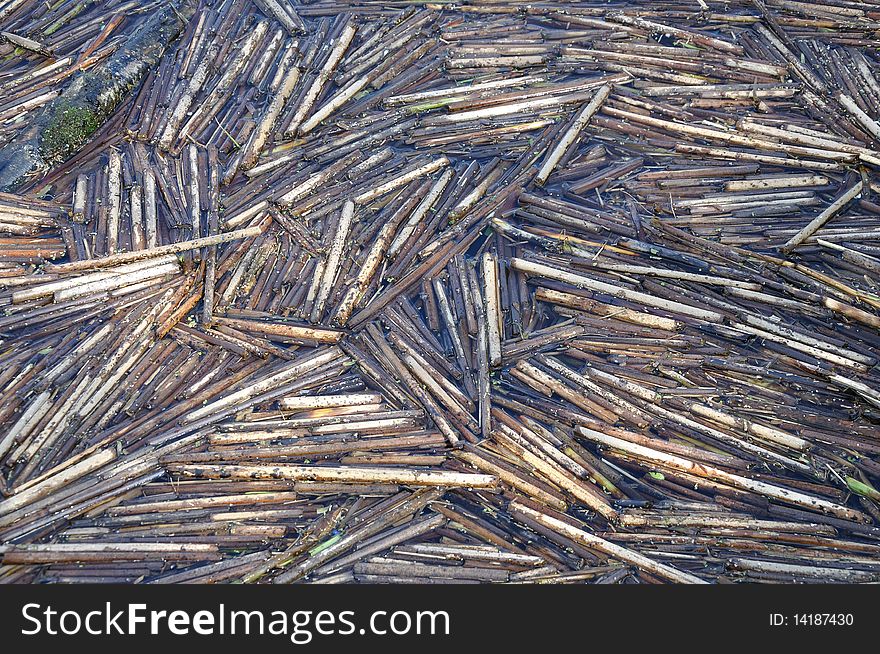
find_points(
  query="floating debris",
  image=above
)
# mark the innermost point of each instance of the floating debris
(421, 293)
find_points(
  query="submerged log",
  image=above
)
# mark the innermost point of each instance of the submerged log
(69, 121)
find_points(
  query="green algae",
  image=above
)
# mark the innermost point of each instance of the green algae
(71, 125)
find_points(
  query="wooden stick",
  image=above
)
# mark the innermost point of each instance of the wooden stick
(830, 211)
(571, 134)
(737, 481)
(601, 545)
(337, 474)
(160, 251)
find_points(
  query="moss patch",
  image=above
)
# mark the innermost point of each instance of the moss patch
(70, 127)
